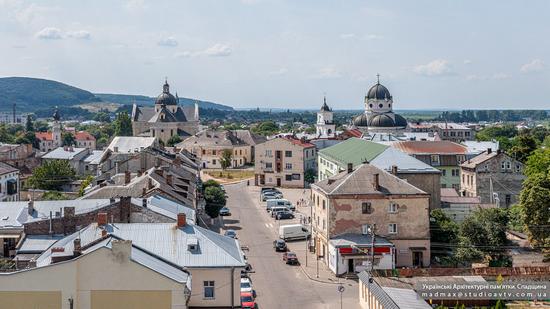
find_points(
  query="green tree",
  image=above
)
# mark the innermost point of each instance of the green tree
(210, 183)
(442, 228)
(68, 139)
(52, 175)
(538, 162)
(102, 116)
(172, 141)
(524, 144)
(85, 183)
(517, 221)
(266, 128)
(215, 200)
(533, 200)
(123, 125)
(482, 235)
(29, 125)
(54, 196)
(227, 157)
(309, 176)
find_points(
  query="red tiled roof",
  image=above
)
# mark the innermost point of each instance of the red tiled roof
(430, 147)
(44, 136)
(83, 135)
(354, 132)
(299, 142)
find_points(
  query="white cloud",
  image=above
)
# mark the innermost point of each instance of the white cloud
(218, 50)
(467, 61)
(80, 34)
(168, 42)
(346, 36)
(49, 33)
(327, 73)
(438, 67)
(534, 66)
(281, 71)
(495, 76)
(136, 5)
(500, 76)
(370, 37)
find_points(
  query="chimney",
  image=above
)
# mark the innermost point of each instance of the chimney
(143, 191)
(394, 170)
(150, 184)
(30, 208)
(169, 179)
(350, 167)
(489, 150)
(111, 200)
(144, 203)
(122, 248)
(103, 232)
(102, 218)
(68, 212)
(139, 173)
(77, 247)
(127, 177)
(182, 220)
(376, 181)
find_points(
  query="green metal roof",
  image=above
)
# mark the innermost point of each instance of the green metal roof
(353, 150)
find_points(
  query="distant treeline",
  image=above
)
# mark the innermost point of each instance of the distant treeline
(493, 115)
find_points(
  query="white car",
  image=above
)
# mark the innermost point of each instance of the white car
(246, 285)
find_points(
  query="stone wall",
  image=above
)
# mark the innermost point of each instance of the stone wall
(427, 182)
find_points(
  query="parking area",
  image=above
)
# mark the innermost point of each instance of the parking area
(304, 286)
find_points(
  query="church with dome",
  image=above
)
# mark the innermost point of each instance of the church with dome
(166, 119)
(378, 121)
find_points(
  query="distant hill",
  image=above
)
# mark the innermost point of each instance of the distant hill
(126, 99)
(34, 94)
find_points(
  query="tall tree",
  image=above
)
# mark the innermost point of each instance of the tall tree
(215, 200)
(227, 157)
(52, 175)
(29, 125)
(172, 141)
(68, 139)
(524, 144)
(123, 124)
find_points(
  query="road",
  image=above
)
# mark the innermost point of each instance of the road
(278, 285)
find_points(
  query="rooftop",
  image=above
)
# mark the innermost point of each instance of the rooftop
(64, 153)
(481, 158)
(124, 144)
(430, 147)
(6, 168)
(404, 162)
(361, 181)
(84, 136)
(353, 150)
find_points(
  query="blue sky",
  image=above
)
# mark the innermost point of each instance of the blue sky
(440, 54)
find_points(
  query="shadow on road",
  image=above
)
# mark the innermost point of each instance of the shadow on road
(230, 221)
(232, 227)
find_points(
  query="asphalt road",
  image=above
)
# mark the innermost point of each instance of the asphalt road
(278, 285)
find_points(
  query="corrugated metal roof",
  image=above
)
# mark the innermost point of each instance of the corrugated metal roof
(94, 157)
(430, 147)
(165, 241)
(167, 207)
(406, 298)
(64, 153)
(126, 144)
(404, 162)
(353, 150)
(37, 243)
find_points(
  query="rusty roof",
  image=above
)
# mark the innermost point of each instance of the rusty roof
(430, 147)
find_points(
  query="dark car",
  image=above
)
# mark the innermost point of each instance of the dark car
(231, 233)
(279, 245)
(225, 211)
(284, 215)
(269, 189)
(290, 258)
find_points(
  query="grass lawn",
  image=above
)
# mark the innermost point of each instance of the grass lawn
(229, 175)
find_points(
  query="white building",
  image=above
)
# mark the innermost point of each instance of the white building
(325, 125)
(9, 183)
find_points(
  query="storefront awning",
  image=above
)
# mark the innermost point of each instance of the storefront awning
(417, 248)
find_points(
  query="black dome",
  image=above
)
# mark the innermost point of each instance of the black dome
(361, 120)
(400, 121)
(379, 92)
(381, 121)
(166, 98)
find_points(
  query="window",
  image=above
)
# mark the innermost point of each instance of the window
(288, 166)
(366, 208)
(208, 289)
(288, 177)
(518, 168)
(444, 172)
(324, 204)
(392, 228)
(508, 165)
(463, 181)
(295, 176)
(435, 159)
(460, 158)
(392, 208)
(268, 165)
(214, 161)
(269, 153)
(288, 154)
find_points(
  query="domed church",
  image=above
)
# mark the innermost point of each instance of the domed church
(166, 119)
(379, 116)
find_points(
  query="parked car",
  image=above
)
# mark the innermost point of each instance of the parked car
(277, 209)
(284, 215)
(231, 233)
(246, 285)
(266, 189)
(290, 258)
(280, 202)
(294, 231)
(247, 301)
(279, 245)
(225, 211)
(270, 195)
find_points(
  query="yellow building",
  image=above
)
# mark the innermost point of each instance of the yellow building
(106, 275)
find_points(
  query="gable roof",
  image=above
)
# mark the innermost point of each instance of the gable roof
(130, 143)
(430, 147)
(361, 181)
(83, 136)
(64, 153)
(6, 168)
(483, 157)
(404, 162)
(353, 150)
(164, 240)
(44, 136)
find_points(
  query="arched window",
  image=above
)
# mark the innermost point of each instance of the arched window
(380, 105)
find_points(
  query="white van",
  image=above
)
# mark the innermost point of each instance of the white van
(279, 202)
(294, 231)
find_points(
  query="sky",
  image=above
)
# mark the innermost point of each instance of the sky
(438, 54)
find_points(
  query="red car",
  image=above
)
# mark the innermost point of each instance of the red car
(247, 301)
(290, 258)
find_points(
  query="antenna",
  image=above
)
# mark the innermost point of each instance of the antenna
(378, 78)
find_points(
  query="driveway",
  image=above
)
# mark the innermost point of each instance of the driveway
(279, 285)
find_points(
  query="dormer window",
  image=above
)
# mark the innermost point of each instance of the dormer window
(192, 244)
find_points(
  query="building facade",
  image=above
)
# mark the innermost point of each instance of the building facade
(284, 162)
(9, 183)
(166, 119)
(356, 200)
(447, 131)
(446, 156)
(50, 140)
(493, 176)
